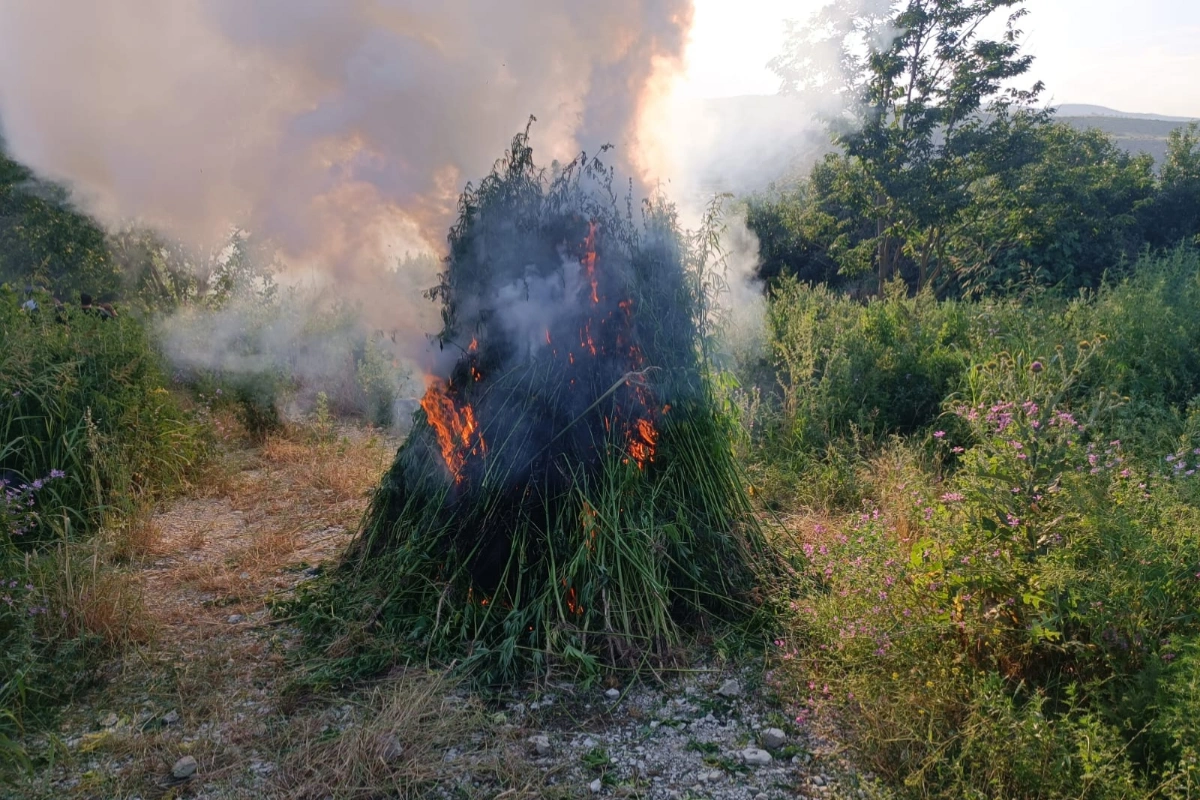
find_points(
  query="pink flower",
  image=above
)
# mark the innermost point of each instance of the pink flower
(939, 434)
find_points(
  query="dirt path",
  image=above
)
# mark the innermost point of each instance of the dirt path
(207, 683)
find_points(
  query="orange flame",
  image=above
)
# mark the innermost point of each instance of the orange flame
(457, 431)
(643, 442)
(572, 603)
(589, 261)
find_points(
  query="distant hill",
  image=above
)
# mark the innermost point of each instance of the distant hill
(741, 144)
(1137, 133)
(1083, 110)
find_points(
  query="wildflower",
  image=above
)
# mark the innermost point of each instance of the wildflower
(57, 473)
(953, 497)
(957, 450)
(1036, 367)
(939, 434)
(1012, 521)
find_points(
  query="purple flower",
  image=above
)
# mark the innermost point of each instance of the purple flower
(939, 434)
(1036, 366)
(57, 473)
(953, 497)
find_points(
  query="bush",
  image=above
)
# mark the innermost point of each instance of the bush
(848, 375)
(89, 434)
(85, 396)
(1006, 632)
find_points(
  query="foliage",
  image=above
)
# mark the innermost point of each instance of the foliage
(912, 75)
(948, 180)
(1012, 613)
(1065, 214)
(90, 437)
(160, 275)
(44, 242)
(1174, 214)
(85, 395)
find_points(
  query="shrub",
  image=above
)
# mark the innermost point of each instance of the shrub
(85, 396)
(1006, 632)
(89, 434)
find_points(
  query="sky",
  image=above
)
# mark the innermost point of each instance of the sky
(1134, 57)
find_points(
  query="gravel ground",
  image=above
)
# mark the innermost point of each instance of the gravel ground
(713, 735)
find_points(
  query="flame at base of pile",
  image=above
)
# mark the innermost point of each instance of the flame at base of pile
(568, 493)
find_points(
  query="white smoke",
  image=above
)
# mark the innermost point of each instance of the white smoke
(340, 130)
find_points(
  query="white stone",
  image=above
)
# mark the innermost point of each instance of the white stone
(595, 786)
(393, 750)
(730, 688)
(773, 738)
(184, 768)
(541, 745)
(613, 694)
(755, 757)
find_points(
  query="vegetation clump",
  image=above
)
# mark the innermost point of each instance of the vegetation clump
(999, 600)
(90, 438)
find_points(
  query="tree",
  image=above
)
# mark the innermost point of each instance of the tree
(160, 273)
(1174, 215)
(818, 230)
(912, 77)
(1062, 212)
(44, 241)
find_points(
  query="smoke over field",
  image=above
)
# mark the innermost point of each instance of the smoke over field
(342, 131)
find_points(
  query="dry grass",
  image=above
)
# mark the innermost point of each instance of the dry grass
(391, 745)
(294, 501)
(95, 598)
(135, 538)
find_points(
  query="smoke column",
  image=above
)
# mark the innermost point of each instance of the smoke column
(340, 130)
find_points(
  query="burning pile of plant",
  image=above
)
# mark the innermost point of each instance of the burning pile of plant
(567, 493)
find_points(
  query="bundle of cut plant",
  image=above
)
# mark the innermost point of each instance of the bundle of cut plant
(568, 494)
